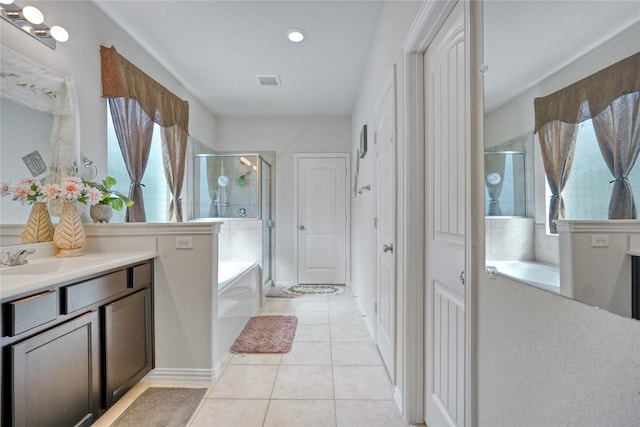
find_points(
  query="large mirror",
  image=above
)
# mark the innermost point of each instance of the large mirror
(39, 115)
(532, 49)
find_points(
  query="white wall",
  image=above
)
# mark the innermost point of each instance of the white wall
(79, 58)
(545, 360)
(285, 136)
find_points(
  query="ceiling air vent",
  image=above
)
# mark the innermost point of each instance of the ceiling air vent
(269, 80)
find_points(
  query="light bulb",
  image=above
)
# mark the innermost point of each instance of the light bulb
(6, 1)
(59, 33)
(295, 35)
(33, 15)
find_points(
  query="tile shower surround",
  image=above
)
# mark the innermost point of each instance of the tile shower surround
(333, 376)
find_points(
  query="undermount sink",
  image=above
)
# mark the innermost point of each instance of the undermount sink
(47, 266)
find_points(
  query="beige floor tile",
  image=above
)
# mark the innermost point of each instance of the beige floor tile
(312, 333)
(350, 333)
(255, 359)
(245, 382)
(279, 305)
(346, 318)
(308, 353)
(303, 382)
(301, 413)
(368, 413)
(313, 317)
(349, 353)
(362, 382)
(231, 413)
(309, 305)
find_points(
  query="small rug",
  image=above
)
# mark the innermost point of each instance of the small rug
(266, 334)
(161, 407)
(315, 290)
(279, 292)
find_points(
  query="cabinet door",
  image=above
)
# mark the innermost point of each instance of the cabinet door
(128, 343)
(56, 376)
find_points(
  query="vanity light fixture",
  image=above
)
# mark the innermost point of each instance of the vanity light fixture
(31, 20)
(296, 35)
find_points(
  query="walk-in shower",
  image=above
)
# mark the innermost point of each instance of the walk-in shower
(238, 189)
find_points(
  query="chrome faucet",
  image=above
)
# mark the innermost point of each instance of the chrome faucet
(18, 257)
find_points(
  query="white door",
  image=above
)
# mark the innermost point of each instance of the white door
(446, 164)
(385, 137)
(321, 218)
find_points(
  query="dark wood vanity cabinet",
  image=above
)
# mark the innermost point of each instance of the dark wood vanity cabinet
(72, 350)
(128, 343)
(56, 375)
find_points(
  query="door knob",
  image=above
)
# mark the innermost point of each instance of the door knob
(302, 228)
(462, 276)
(387, 248)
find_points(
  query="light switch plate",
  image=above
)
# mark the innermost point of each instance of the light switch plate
(599, 240)
(184, 242)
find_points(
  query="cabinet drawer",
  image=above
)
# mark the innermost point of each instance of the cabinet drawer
(32, 311)
(95, 290)
(141, 276)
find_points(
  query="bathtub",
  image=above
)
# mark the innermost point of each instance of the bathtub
(238, 300)
(538, 274)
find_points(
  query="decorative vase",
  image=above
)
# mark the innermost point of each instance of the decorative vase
(38, 227)
(101, 213)
(69, 235)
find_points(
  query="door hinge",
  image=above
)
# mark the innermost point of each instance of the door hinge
(375, 222)
(375, 308)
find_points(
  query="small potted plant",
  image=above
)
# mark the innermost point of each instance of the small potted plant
(109, 199)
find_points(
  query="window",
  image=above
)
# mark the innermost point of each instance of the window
(588, 190)
(154, 191)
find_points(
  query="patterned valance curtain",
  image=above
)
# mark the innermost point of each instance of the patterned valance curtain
(122, 79)
(610, 98)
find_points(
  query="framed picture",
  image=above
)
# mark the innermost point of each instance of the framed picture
(363, 141)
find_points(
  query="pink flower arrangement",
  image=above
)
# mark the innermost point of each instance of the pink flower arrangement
(71, 188)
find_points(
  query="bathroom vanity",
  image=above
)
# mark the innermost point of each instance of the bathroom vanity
(73, 340)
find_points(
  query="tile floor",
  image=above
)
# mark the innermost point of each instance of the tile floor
(333, 376)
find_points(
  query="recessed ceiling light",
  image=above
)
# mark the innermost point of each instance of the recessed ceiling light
(296, 35)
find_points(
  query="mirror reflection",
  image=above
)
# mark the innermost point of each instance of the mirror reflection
(588, 257)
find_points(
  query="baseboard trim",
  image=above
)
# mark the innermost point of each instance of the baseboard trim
(182, 375)
(397, 397)
(281, 283)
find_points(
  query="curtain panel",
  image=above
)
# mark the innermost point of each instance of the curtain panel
(123, 80)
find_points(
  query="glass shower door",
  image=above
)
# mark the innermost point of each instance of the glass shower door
(266, 195)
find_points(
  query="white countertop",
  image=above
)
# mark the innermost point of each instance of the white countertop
(39, 273)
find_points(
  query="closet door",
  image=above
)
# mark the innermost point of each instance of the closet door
(446, 124)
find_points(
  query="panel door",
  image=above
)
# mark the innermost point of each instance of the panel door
(56, 376)
(322, 220)
(128, 343)
(385, 137)
(446, 148)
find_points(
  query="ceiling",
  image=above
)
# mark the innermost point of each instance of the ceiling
(217, 48)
